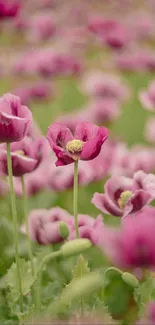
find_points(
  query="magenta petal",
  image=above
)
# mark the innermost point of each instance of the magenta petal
(92, 147)
(116, 185)
(20, 164)
(59, 135)
(86, 131)
(139, 199)
(103, 203)
(63, 159)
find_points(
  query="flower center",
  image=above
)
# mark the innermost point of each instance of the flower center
(74, 147)
(20, 152)
(124, 197)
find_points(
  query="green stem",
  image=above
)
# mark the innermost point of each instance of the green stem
(76, 198)
(15, 222)
(45, 260)
(26, 223)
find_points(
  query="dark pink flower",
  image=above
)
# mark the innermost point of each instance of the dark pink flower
(36, 91)
(133, 244)
(136, 61)
(102, 164)
(9, 8)
(111, 32)
(104, 111)
(141, 158)
(26, 155)
(61, 179)
(92, 229)
(44, 225)
(149, 131)
(85, 144)
(35, 182)
(146, 182)
(147, 97)
(121, 197)
(15, 119)
(71, 120)
(106, 86)
(41, 27)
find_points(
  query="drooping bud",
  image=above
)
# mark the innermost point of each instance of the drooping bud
(63, 230)
(75, 246)
(124, 197)
(130, 279)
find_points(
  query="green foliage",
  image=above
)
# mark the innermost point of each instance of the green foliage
(143, 294)
(12, 281)
(115, 287)
(81, 268)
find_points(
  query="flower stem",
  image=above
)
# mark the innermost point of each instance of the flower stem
(26, 223)
(76, 198)
(15, 223)
(45, 260)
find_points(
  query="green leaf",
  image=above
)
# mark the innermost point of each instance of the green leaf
(26, 279)
(81, 268)
(143, 294)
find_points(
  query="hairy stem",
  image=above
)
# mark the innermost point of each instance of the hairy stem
(26, 223)
(76, 198)
(15, 223)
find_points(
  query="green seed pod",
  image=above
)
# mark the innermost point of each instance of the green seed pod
(63, 230)
(130, 279)
(76, 246)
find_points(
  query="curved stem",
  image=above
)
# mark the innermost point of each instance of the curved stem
(45, 260)
(112, 268)
(76, 198)
(26, 223)
(15, 222)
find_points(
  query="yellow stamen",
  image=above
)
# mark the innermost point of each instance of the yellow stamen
(124, 197)
(74, 147)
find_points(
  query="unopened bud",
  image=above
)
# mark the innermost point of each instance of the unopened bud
(84, 286)
(75, 246)
(63, 230)
(130, 279)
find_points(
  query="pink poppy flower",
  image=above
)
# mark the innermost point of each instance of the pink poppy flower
(41, 27)
(35, 182)
(26, 155)
(147, 97)
(146, 182)
(92, 229)
(141, 158)
(36, 91)
(9, 8)
(119, 165)
(103, 111)
(61, 179)
(85, 144)
(136, 61)
(149, 131)
(106, 86)
(102, 164)
(121, 197)
(44, 225)
(15, 119)
(111, 32)
(71, 120)
(130, 246)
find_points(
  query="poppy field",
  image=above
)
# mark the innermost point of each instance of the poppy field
(77, 162)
